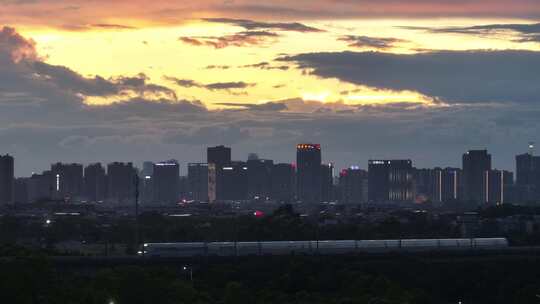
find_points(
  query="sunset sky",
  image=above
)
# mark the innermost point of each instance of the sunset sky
(96, 80)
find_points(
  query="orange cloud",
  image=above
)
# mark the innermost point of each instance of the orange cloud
(80, 14)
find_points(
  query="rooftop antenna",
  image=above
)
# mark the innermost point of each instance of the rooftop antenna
(531, 148)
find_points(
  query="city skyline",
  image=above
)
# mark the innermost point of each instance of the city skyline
(184, 165)
(308, 180)
(425, 80)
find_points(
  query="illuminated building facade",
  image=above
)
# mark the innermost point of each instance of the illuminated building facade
(391, 181)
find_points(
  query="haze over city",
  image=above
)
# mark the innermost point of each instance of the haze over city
(120, 81)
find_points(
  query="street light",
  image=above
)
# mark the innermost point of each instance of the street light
(190, 269)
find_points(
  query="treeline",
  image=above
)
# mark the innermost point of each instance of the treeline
(283, 224)
(279, 280)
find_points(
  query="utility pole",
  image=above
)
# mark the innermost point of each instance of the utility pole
(137, 227)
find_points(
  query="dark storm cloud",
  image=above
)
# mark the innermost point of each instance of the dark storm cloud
(453, 76)
(258, 25)
(188, 83)
(218, 67)
(533, 28)
(268, 106)
(241, 39)
(527, 32)
(113, 26)
(58, 13)
(371, 42)
(228, 85)
(266, 66)
(67, 79)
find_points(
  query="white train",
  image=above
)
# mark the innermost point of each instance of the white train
(227, 249)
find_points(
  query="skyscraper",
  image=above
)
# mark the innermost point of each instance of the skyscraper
(219, 156)
(283, 182)
(95, 182)
(7, 179)
(41, 187)
(259, 178)
(353, 184)
(235, 181)
(68, 181)
(438, 185)
(391, 181)
(528, 178)
(166, 182)
(198, 181)
(21, 190)
(309, 175)
(327, 182)
(498, 185)
(121, 182)
(475, 165)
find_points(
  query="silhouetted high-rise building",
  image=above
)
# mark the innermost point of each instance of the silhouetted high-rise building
(219, 156)
(437, 185)
(283, 182)
(198, 181)
(21, 190)
(148, 169)
(475, 165)
(183, 188)
(121, 182)
(527, 178)
(68, 181)
(95, 182)
(7, 179)
(327, 182)
(498, 184)
(166, 182)
(235, 181)
(309, 175)
(391, 181)
(259, 178)
(353, 185)
(41, 187)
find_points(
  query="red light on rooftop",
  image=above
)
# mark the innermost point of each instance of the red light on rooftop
(258, 213)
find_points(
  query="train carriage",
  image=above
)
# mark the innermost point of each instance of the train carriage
(226, 249)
